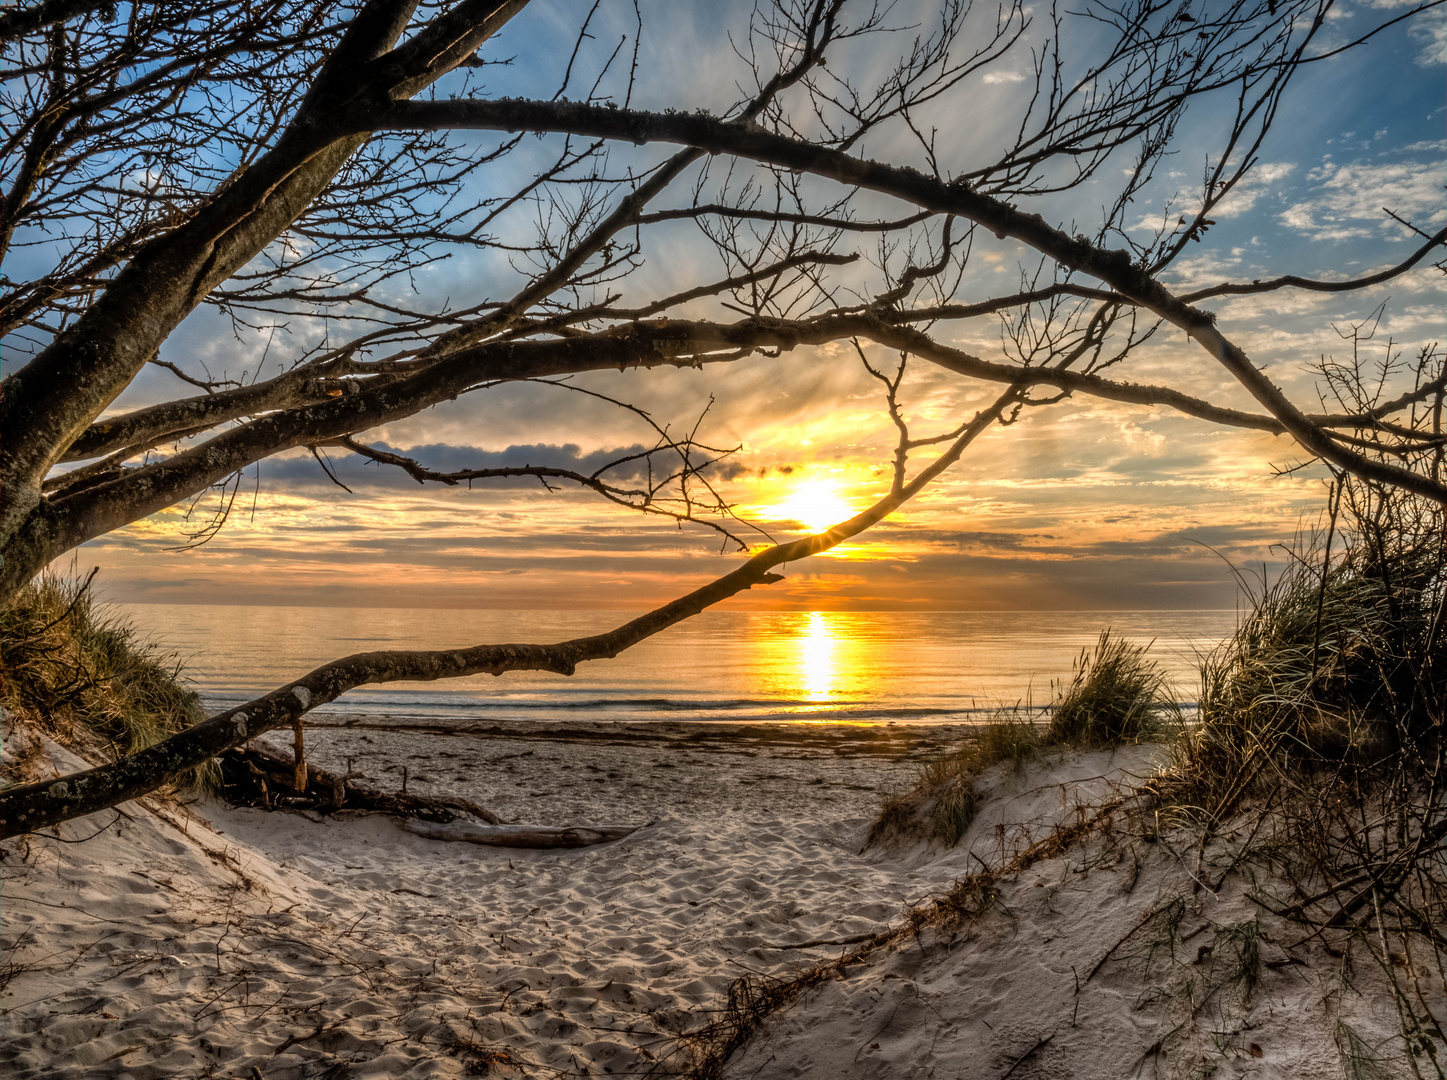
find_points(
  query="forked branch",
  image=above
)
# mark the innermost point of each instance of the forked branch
(29, 807)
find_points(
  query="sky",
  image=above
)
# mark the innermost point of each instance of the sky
(1085, 505)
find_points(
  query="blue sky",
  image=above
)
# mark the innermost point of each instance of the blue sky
(1083, 505)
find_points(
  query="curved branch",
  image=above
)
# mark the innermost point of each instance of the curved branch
(1291, 281)
(54, 526)
(147, 427)
(28, 807)
(724, 210)
(625, 497)
(749, 140)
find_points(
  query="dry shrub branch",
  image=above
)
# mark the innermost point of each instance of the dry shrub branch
(702, 1052)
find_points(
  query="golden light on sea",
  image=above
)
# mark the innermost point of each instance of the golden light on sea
(819, 665)
(816, 657)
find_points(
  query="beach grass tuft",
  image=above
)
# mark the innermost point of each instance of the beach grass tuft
(1336, 667)
(942, 799)
(88, 679)
(1321, 721)
(1117, 694)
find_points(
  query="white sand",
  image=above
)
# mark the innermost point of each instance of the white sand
(164, 948)
(1115, 959)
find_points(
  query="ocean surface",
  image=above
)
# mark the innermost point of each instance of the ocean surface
(908, 667)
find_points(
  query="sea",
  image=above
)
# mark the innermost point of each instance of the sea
(730, 666)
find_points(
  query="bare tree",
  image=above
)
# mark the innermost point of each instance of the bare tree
(280, 160)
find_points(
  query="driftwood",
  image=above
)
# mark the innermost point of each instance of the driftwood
(261, 775)
(258, 775)
(521, 836)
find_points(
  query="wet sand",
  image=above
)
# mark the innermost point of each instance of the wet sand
(631, 773)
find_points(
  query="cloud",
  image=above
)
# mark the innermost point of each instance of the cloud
(1349, 200)
(963, 571)
(1244, 196)
(1431, 31)
(1239, 201)
(1428, 29)
(355, 471)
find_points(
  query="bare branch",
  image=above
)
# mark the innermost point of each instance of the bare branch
(1116, 268)
(25, 808)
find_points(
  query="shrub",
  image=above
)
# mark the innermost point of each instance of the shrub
(941, 803)
(87, 679)
(1336, 665)
(1115, 695)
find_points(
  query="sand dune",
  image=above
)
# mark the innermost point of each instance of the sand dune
(229, 942)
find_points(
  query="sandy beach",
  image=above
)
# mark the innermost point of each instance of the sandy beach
(207, 941)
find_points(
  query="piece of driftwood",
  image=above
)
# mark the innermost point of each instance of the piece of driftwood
(299, 776)
(521, 836)
(259, 775)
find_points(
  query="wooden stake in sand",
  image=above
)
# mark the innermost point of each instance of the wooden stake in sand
(299, 757)
(521, 836)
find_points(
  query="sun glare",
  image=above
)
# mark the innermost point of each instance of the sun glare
(816, 506)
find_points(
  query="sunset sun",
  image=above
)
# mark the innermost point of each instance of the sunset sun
(816, 505)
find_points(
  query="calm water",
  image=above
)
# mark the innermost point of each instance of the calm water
(735, 666)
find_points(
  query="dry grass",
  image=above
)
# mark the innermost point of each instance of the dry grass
(1117, 694)
(1336, 668)
(87, 679)
(941, 803)
(748, 1002)
(1010, 740)
(1323, 718)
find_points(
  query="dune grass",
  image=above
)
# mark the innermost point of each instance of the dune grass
(1117, 694)
(1337, 666)
(87, 678)
(1321, 722)
(1011, 739)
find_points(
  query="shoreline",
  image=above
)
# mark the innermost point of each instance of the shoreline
(449, 719)
(549, 773)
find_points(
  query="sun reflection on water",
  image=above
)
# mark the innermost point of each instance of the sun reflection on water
(818, 666)
(817, 657)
